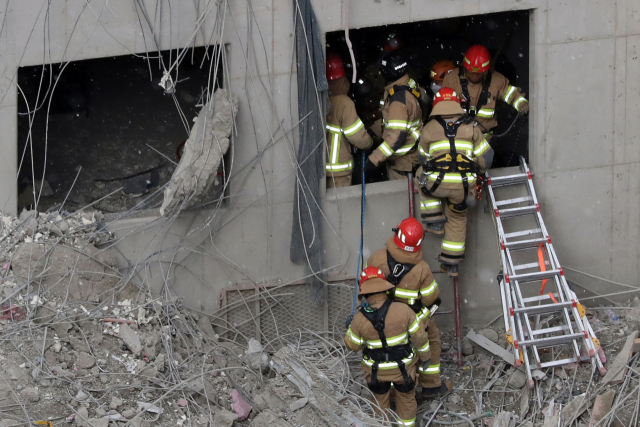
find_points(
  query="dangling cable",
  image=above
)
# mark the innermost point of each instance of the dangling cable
(349, 45)
(360, 260)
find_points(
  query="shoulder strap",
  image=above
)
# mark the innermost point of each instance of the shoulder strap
(377, 318)
(398, 89)
(397, 270)
(484, 95)
(450, 131)
(464, 83)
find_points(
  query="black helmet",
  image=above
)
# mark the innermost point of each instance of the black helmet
(393, 66)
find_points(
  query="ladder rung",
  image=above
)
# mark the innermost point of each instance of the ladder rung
(524, 244)
(522, 233)
(558, 362)
(524, 210)
(532, 277)
(541, 309)
(526, 266)
(551, 341)
(537, 298)
(498, 181)
(550, 330)
(513, 201)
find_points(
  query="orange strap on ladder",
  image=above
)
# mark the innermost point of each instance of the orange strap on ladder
(543, 267)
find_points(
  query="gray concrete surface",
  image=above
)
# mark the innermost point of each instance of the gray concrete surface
(584, 129)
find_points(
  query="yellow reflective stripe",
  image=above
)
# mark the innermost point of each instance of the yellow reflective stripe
(424, 348)
(354, 338)
(422, 152)
(429, 289)
(424, 313)
(432, 369)
(351, 130)
(481, 148)
(382, 101)
(408, 423)
(430, 205)
(451, 177)
(509, 94)
(453, 246)
(406, 293)
(397, 124)
(339, 167)
(389, 365)
(386, 150)
(414, 326)
(332, 128)
(444, 145)
(404, 149)
(397, 340)
(516, 104)
(335, 147)
(487, 113)
(411, 83)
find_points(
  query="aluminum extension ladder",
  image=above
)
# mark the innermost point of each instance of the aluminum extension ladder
(533, 288)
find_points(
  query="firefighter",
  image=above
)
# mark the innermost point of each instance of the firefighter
(344, 127)
(453, 151)
(439, 70)
(479, 89)
(401, 117)
(402, 264)
(385, 331)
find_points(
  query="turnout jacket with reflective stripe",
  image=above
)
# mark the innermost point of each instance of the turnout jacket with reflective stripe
(401, 327)
(401, 121)
(469, 141)
(418, 284)
(498, 89)
(344, 128)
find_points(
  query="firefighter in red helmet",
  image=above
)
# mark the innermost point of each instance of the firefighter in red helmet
(480, 89)
(392, 343)
(414, 285)
(344, 127)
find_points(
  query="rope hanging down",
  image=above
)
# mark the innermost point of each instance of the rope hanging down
(355, 291)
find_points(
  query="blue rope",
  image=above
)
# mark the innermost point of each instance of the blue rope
(355, 291)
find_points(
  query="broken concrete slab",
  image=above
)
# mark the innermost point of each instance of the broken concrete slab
(490, 334)
(268, 419)
(601, 407)
(130, 338)
(85, 360)
(615, 374)
(570, 412)
(239, 405)
(224, 418)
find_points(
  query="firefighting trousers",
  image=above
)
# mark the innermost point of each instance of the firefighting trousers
(399, 166)
(406, 405)
(338, 181)
(437, 207)
(430, 377)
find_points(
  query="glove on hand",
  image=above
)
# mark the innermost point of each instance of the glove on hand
(370, 170)
(523, 108)
(348, 322)
(438, 301)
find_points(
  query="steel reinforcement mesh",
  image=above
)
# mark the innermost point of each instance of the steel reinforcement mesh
(286, 309)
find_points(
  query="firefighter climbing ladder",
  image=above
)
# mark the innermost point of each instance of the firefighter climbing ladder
(546, 325)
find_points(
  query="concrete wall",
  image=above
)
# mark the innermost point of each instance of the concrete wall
(583, 126)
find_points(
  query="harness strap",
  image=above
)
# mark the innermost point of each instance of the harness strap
(397, 270)
(484, 95)
(397, 88)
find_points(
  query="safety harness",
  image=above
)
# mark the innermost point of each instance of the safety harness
(395, 353)
(466, 98)
(450, 163)
(397, 271)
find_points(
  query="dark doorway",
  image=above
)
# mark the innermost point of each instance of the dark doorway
(111, 120)
(424, 43)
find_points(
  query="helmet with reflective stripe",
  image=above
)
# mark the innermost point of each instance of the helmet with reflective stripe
(372, 281)
(408, 235)
(445, 94)
(441, 69)
(393, 66)
(477, 59)
(335, 68)
(446, 102)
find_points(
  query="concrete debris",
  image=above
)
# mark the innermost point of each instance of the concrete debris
(203, 151)
(601, 407)
(131, 339)
(224, 418)
(85, 360)
(269, 419)
(298, 404)
(31, 394)
(490, 334)
(240, 406)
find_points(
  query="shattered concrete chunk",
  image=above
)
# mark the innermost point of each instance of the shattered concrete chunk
(131, 339)
(240, 406)
(85, 360)
(298, 404)
(518, 379)
(490, 334)
(31, 394)
(224, 418)
(268, 419)
(203, 151)
(205, 326)
(467, 347)
(116, 402)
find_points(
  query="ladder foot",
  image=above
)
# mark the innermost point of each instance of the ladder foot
(530, 384)
(592, 353)
(603, 371)
(518, 363)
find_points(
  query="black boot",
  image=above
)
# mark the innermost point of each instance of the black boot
(435, 227)
(444, 389)
(450, 269)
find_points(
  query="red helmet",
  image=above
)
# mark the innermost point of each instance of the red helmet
(378, 284)
(477, 59)
(409, 234)
(371, 273)
(392, 43)
(335, 68)
(445, 94)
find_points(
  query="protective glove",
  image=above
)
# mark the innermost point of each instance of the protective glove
(523, 108)
(370, 171)
(438, 301)
(348, 322)
(425, 365)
